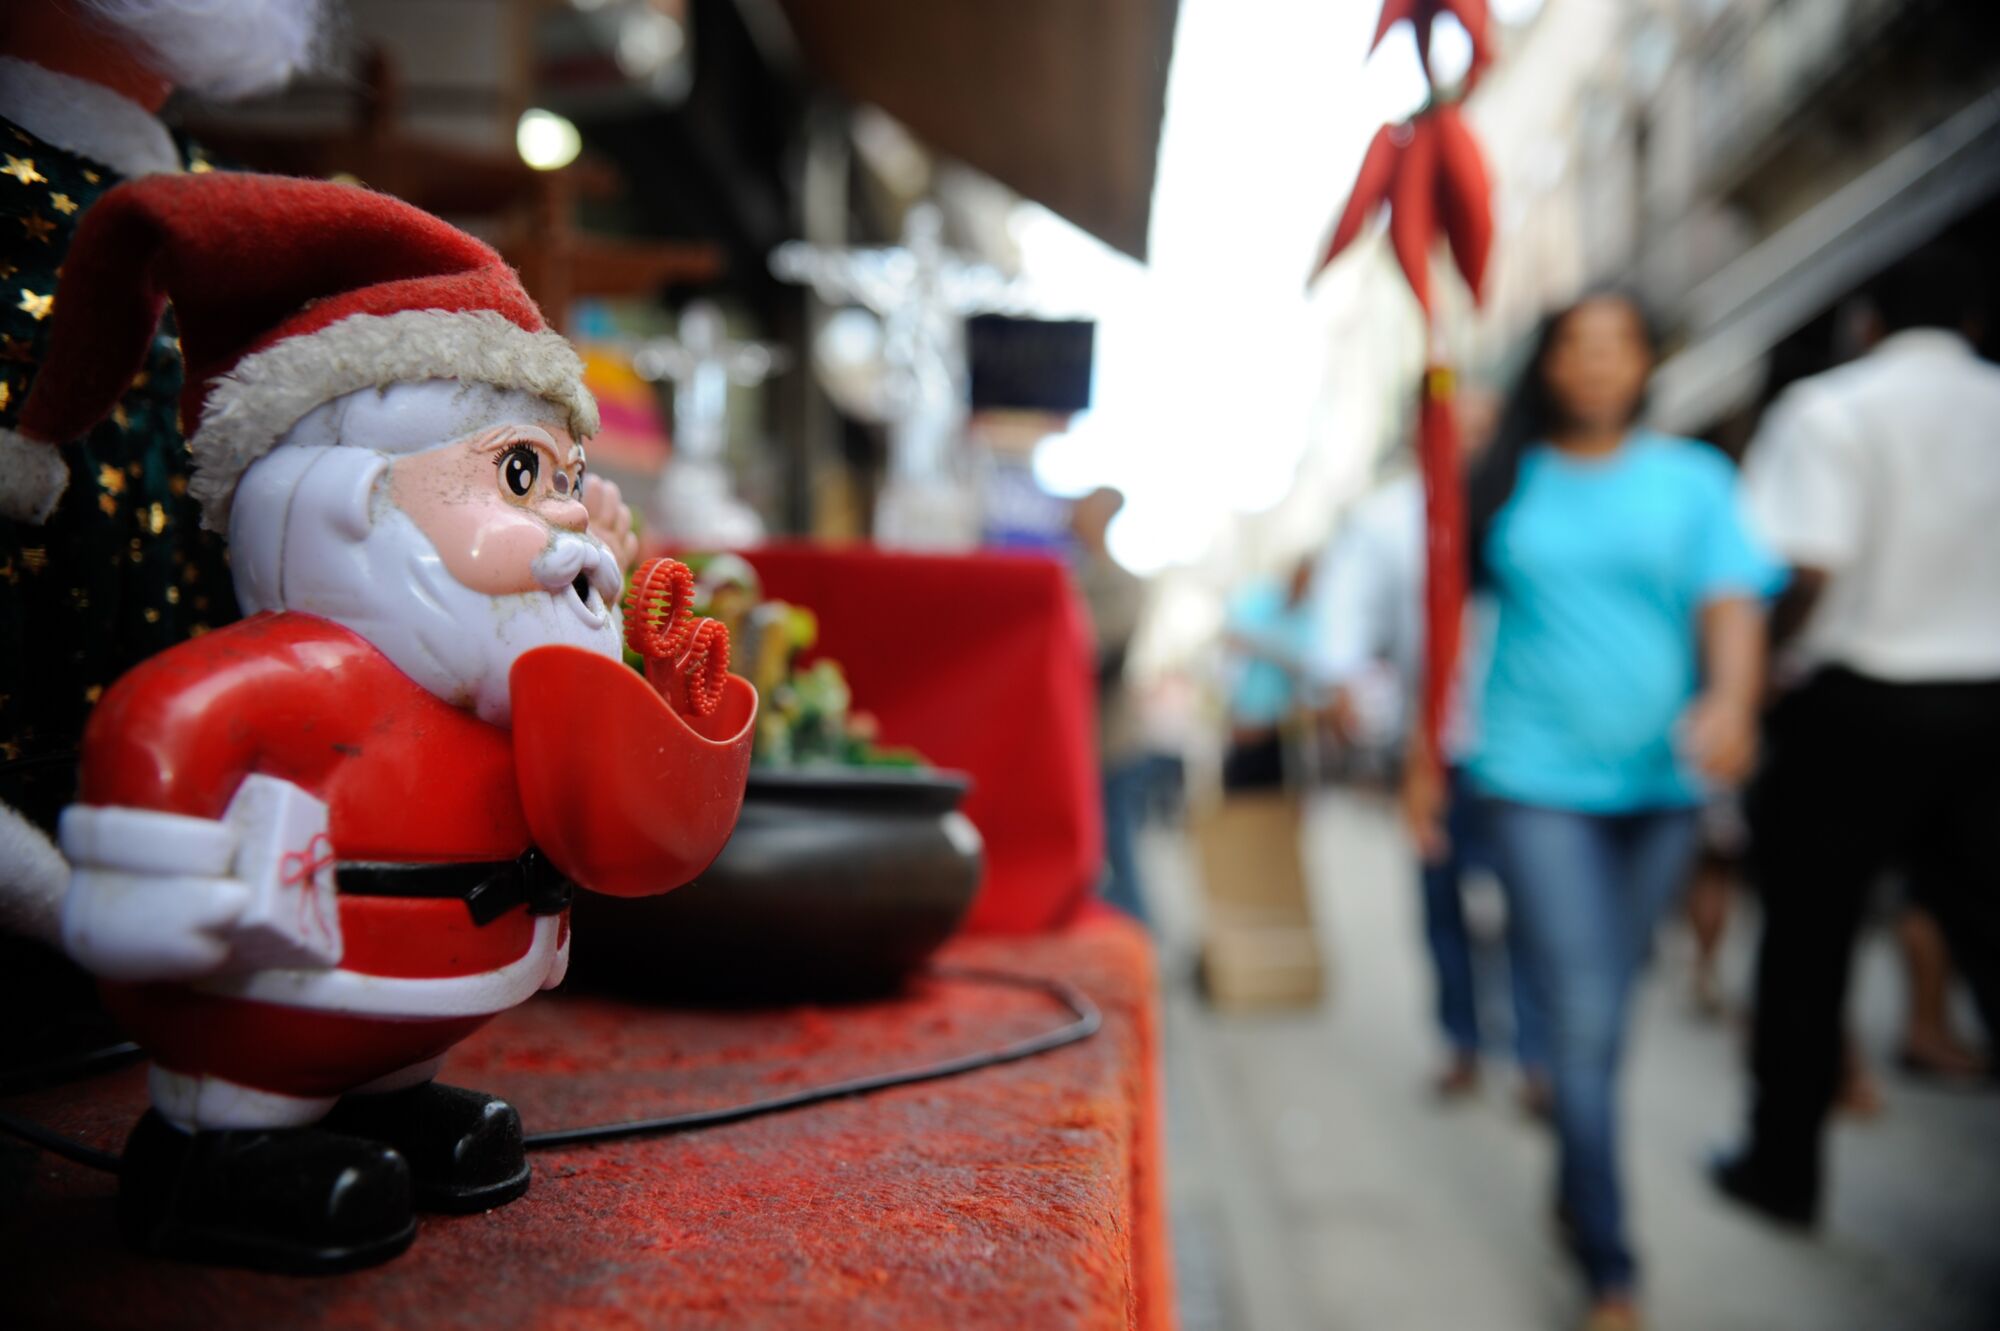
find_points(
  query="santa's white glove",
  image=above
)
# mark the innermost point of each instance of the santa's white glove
(135, 927)
(151, 896)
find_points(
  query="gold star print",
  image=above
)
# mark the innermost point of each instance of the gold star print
(6, 394)
(156, 519)
(177, 486)
(23, 170)
(38, 228)
(141, 379)
(9, 750)
(152, 615)
(63, 204)
(15, 349)
(39, 306)
(20, 135)
(109, 504)
(8, 571)
(92, 177)
(7, 270)
(198, 166)
(173, 596)
(119, 418)
(93, 693)
(35, 557)
(111, 479)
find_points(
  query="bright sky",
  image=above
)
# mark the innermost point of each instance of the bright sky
(1209, 360)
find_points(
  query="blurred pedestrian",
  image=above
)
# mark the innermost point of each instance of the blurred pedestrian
(1115, 596)
(1267, 635)
(1626, 665)
(1370, 613)
(1880, 482)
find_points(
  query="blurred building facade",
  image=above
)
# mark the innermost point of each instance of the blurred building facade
(1743, 165)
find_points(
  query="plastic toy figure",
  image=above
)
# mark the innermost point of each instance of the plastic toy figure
(317, 848)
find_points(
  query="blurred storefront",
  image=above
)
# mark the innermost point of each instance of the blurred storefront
(632, 155)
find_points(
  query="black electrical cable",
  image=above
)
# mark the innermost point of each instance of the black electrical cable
(1086, 1022)
(50, 1140)
(73, 1067)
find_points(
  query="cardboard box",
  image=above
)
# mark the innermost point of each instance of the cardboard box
(1248, 846)
(1258, 947)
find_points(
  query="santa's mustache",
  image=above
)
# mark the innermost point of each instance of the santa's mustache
(570, 554)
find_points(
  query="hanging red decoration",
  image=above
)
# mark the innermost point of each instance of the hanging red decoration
(1445, 569)
(1432, 176)
(1421, 15)
(1464, 198)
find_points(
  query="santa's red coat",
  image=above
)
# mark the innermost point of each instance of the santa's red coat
(407, 777)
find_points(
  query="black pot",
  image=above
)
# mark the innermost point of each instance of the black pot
(837, 883)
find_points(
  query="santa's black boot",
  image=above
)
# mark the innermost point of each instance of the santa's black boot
(464, 1147)
(299, 1200)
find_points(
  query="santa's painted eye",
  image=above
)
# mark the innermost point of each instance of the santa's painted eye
(518, 469)
(560, 483)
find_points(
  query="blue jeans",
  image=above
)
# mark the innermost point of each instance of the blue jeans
(1125, 787)
(1588, 889)
(1451, 945)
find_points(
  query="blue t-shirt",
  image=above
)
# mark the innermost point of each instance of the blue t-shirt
(1262, 682)
(1599, 570)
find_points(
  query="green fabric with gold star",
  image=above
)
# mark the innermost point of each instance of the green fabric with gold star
(122, 569)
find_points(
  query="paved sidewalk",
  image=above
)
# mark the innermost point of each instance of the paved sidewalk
(1316, 1186)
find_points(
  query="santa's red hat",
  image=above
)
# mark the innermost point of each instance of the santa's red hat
(288, 294)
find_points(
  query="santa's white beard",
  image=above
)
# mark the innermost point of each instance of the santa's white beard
(221, 48)
(391, 587)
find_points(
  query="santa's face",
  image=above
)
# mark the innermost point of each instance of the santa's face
(495, 503)
(452, 558)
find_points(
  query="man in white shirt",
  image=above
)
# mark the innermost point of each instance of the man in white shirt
(1880, 483)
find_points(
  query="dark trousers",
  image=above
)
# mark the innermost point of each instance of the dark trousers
(1861, 776)
(1254, 763)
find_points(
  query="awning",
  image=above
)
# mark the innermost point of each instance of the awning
(1060, 100)
(1736, 317)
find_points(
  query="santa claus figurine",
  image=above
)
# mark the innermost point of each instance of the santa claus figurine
(304, 852)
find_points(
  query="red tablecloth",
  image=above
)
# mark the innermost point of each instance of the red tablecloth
(1023, 1196)
(983, 663)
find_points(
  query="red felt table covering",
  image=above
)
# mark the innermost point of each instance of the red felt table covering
(1023, 1196)
(983, 663)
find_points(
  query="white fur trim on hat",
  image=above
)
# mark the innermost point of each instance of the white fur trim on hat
(33, 477)
(250, 408)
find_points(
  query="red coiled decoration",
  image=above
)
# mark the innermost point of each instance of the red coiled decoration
(687, 658)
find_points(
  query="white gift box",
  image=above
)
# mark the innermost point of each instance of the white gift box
(286, 859)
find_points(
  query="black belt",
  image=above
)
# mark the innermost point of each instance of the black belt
(488, 888)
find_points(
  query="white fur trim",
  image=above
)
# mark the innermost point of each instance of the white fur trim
(33, 880)
(86, 118)
(196, 1102)
(398, 996)
(33, 477)
(250, 408)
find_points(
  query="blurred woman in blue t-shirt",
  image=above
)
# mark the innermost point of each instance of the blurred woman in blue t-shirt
(1626, 663)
